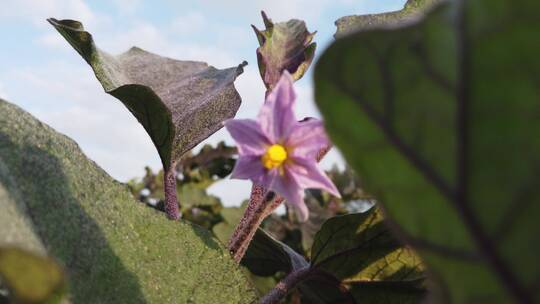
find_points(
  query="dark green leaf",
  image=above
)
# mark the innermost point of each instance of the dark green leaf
(30, 278)
(317, 216)
(360, 247)
(392, 292)
(265, 256)
(284, 46)
(210, 163)
(55, 201)
(359, 250)
(413, 8)
(321, 288)
(441, 119)
(179, 103)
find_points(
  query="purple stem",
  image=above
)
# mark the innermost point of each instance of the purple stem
(172, 207)
(261, 204)
(285, 286)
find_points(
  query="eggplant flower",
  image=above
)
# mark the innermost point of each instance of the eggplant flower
(278, 152)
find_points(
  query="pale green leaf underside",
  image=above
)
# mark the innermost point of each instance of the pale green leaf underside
(114, 249)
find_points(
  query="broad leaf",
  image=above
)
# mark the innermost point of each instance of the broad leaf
(198, 206)
(441, 119)
(360, 252)
(283, 46)
(354, 258)
(317, 216)
(55, 201)
(266, 256)
(209, 164)
(30, 278)
(179, 103)
(411, 11)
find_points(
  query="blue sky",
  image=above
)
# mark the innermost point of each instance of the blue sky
(41, 73)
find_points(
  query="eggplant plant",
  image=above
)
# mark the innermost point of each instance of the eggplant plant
(436, 109)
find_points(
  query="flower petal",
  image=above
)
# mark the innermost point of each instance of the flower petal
(248, 135)
(310, 176)
(277, 116)
(248, 167)
(287, 186)
(268, 179)
(307, 138)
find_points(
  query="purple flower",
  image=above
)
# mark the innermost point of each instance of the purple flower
(278, 152)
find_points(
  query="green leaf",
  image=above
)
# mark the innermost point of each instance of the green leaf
(411, 11)
(30, 278)
(284, 46)
(359, 247)
(360, 252)
(317, 216)
(231, 217)
(179, 103)
(266, 256)
(441, 119)
(198, 206)
(55, 201)
(324, 289)
(194, 196)
(354, 257)
(210, 164)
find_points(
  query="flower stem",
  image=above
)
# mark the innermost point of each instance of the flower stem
(172, 207)
(285, 286)
(261, 204)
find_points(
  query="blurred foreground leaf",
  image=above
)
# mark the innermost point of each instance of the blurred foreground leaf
(441, 119)
(31, 279)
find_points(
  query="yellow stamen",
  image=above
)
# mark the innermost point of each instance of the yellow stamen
(274, 157)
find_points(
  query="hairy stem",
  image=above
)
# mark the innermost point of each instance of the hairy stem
(261, 204)
(172, 207)
(285, 286)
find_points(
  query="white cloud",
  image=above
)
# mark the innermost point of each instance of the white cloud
(149, 37)
(127, 6)
(78, 107)
(37, 11)
(279, 9)
(3, 92)
(190, 23)
(222, 189)
(52, 41)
